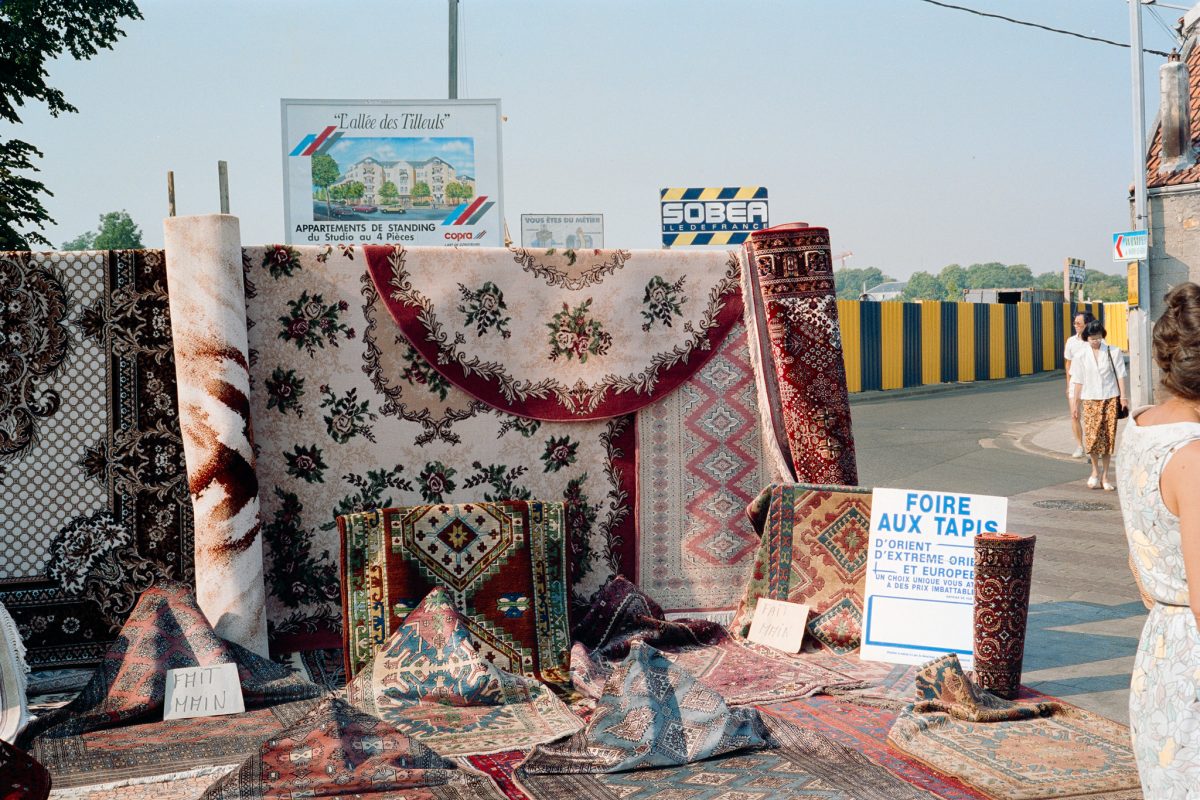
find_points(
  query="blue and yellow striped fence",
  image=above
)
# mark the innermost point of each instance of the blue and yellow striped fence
(892, 345)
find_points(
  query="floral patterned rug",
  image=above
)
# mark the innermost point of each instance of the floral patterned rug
(87, 407)
(618, 329)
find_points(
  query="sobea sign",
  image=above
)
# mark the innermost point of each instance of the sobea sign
(715, 216)
(920, 594)
(1131, 246)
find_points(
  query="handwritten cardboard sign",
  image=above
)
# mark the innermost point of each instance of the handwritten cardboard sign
(203, 692)
(779, 624)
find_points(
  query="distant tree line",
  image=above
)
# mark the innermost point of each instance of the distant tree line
(948, 284)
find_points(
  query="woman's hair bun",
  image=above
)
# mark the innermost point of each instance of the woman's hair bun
(1177, 342)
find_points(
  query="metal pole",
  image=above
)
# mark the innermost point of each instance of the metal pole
(170, 193)
(1140, 389)
(453, 49)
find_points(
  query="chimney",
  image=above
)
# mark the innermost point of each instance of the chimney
(1176, 123)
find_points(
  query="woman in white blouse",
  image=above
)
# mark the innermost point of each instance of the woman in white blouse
(1075, 346)
(1098, 384)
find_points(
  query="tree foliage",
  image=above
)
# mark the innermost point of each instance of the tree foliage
(459, 191)
(325, 173)
(849, 282)
(32, 33)
(923, 286)
(117, 231)
(421, 189)
(388, 192)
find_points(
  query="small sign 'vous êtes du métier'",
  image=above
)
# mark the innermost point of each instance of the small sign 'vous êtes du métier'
(203, 692)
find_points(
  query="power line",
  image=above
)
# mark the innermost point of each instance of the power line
(1162, 24)
(1040, 27)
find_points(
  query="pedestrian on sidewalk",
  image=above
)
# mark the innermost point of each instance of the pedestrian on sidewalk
(1075, 346)
(1157, 474)
(1098, 391)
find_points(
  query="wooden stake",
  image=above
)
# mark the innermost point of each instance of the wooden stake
(223, 180)
(170, 193)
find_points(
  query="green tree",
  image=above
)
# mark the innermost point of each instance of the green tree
(354, 190)
(421, 189)
(459, 191)
(325, 173)
(1049, 280)
(923, 286)
(117, 231)
(849, 282)
(388, 192)
(954, 280)
(32, 34)
(1099, 285)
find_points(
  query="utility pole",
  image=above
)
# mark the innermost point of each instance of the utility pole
(1141, 388)
(453, 49)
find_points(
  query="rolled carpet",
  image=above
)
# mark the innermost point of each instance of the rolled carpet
(1003, 571)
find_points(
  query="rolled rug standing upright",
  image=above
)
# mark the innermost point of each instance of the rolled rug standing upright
(795, 320)
(1003, 573)
(208, 319)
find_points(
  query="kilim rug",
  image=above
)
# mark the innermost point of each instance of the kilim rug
(741, 672)
(652, 714)
(93, 495)
(813, 551)
(503, 565)
(337, 750)
(560, 335)
(21, 778)
(431, 683)
(1013, 751)
(348, 417)
(794, 318)
(803, 764)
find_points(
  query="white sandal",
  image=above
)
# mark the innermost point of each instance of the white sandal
(1108, 487)
(1093, 482)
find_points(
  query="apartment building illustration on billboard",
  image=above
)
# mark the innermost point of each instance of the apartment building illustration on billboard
(406, 176)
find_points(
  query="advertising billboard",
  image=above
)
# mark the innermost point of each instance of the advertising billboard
(571, 231)
(417, 172)
(720, 215)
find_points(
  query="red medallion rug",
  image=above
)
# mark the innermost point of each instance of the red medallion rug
(21, 778)
(618, 329)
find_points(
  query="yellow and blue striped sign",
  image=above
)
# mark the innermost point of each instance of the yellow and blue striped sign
(718, 216)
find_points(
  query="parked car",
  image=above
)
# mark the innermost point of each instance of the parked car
(392, 210)
(339, 211)
(364, 209)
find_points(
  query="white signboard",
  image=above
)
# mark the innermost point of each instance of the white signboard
(568, 231)
(203, 692)
(416, 172)
(920, 594)
(778, 624)
(1131, 246)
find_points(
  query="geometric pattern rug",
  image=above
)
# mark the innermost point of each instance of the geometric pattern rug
(503, 565)
(803, 764)
(431, 683)
(1074, 753)
(813, 551)
(94, 503)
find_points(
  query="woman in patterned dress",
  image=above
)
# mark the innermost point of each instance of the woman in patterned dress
(1158, 474)
(1098, 389)
(1076, 345)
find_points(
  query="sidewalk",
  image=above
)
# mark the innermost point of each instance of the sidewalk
(1085, 612)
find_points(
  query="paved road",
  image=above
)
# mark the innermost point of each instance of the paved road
(1012, 438)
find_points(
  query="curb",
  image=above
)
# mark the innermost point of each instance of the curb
(883, 395)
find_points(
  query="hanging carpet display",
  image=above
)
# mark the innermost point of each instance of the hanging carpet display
(94, 504)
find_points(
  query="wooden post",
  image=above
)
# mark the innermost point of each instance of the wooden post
(170, 193)
(223, 181)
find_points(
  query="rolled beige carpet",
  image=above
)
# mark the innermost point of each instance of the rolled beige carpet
(208, 317)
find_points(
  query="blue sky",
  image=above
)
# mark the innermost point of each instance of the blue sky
(458, 151)
(919, 135)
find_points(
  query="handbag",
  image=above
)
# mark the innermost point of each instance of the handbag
(1122, 411)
